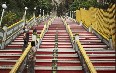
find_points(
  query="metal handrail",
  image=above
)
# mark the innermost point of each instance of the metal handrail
(20, 60)
(82, 51)
(86, 58)
(46, 26)
(68, 29)
(15, 24)
(42, 33)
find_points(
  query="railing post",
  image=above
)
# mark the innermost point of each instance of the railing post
(90, 28)
(110, 43)
(81, 23)
(4, 36)
(76, 39)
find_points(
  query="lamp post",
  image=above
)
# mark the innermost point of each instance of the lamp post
(34, 15)
(70, 13)
(34, 11)
(51, 13)
(43, 15)
(43, 12)
(35, 8)
(74, 16)
(4, 7)
(25, 15)
(40, 12)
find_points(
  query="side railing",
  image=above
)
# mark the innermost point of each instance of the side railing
(8, 34)
(100, 22)
(84, 59)
(23, 60)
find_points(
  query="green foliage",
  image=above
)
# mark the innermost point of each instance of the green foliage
(15, 9)
(9, 18)
(77, 4)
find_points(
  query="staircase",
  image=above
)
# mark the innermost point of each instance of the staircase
(56, 53)
(13, 51)
(102, 58)
(53, 58)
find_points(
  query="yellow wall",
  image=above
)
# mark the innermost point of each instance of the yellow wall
(103, 21)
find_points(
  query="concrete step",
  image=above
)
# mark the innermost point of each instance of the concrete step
(59, 68)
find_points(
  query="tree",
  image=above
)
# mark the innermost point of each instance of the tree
(17, 8)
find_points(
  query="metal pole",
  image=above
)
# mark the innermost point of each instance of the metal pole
(40, 12)
(43, 15)
(2, 16)
(34, 15)
(43, 12)
(70, 13)
(25, 14)
(25, 17)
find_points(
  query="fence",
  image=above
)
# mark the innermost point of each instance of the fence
(101, 21)
(8, 34)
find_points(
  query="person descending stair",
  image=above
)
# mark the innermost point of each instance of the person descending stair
(25, 28)
(34, 30)
(26, 36)
(32, 58)
(26, 40)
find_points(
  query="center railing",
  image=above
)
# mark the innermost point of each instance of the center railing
(84, 59)
(22, 61)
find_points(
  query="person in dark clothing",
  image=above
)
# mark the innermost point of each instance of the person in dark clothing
(34, 30)
(27, 37)
(25, 28)
(26, 40)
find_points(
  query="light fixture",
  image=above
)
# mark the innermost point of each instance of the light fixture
(35, 8)
(4, 6)
(26, 8)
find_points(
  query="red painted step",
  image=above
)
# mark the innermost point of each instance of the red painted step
(52, 46)
(101, 58)
(59, 64)
(106, 71)
(5, 70)
(7, 63)
(47, 52)
(68, 60)
(13, 51)
(61, 71)
(104, 64)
